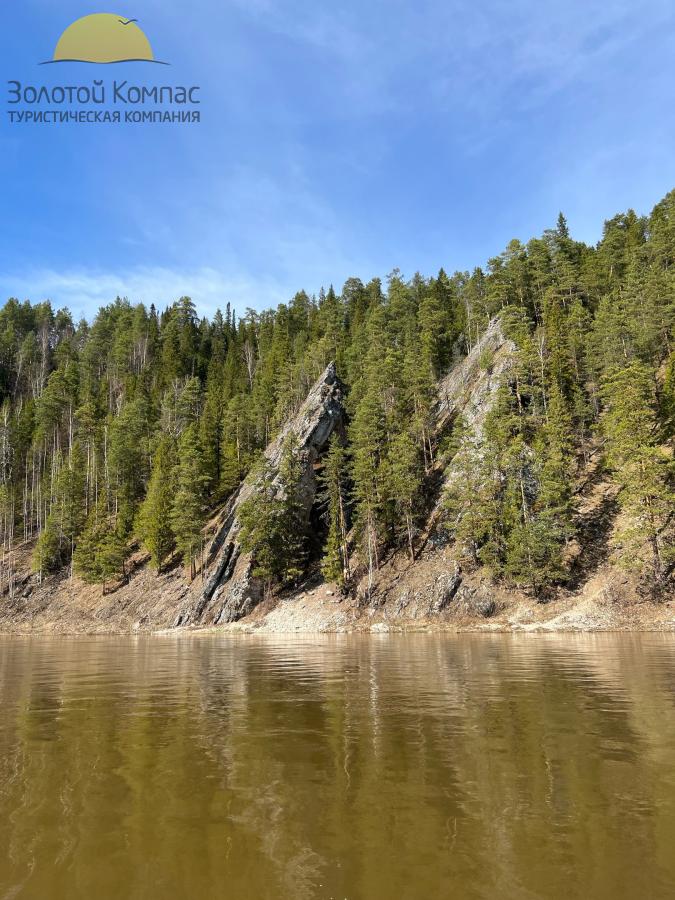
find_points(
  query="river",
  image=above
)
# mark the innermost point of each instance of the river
(348, 767)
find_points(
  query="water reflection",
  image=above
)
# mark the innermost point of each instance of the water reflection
(345, 767)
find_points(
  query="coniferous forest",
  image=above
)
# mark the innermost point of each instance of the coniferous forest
(133, 428)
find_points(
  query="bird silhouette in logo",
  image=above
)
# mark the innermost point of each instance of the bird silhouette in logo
(104, 38)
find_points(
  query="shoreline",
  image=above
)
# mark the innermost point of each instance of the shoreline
(424, 598)
(248, 630)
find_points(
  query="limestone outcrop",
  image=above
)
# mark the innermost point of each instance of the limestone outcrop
(230, 590)
(470, 388)
(469, 392)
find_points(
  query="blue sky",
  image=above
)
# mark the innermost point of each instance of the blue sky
(338, 139)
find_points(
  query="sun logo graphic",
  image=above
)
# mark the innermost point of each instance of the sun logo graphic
(104, 38)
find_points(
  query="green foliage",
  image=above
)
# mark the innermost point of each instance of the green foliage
(153, 525)
(188, 509)
(90, 412)
(668, 398)
(86, 558)
(101, 551)
(486, 360)
(404, 482)
(128, 453)
(508, 503)
(273, 526)
(47, 556)
(643, 469)
(70, 492)
(211, 427)
(335, 563)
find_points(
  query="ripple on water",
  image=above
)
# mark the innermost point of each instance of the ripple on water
(339, 766)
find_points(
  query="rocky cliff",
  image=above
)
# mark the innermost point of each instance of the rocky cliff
(470, 388)
(468, 392)
(231, 591)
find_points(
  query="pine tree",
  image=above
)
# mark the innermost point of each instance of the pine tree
(474, 496)
(642, 468)
(293, 524)
(154, 523)
(273, 527)
(556, 450)
(433, 326)
(86, 558)
(367, 438)
(260, 535)
(335, 563)
(668, 397)
(404, 484)
(188, 509)
(71, 489)
(101, 552)
(533, 556)
(47, 556)
(112, 555)
(127, 457)
(211, 427)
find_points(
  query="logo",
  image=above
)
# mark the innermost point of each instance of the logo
(104, 38)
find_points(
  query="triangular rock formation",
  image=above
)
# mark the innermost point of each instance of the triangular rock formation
(231, 590)
(470, 388)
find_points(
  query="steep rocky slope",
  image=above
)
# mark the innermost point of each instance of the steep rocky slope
(468, 392)
(432, 592)
(231, 590)
(469, 389)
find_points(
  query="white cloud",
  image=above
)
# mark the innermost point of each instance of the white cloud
(84, 291)
(271, 237)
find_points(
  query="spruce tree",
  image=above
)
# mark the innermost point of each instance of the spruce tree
(668, 398)
(211, 427)
(112, 555)
(47, 556)
(102, 550)
(260, 535)
(367, 436)
(404, 484)
(86, 558)
(643, 469)
(154, 523)
(335, 563)
(293, 526)
(273, 526)
(188, 509)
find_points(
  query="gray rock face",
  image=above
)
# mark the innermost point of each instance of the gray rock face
(445, 589)
(231, 591)
(469, 391)
(477, 602)
(471, 387)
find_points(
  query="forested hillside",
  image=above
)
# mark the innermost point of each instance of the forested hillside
(133, 427)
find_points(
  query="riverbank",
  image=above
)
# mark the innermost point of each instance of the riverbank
(430, 595)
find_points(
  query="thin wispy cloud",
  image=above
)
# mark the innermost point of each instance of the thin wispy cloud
(83, 291)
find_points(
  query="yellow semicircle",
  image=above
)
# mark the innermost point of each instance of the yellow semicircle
(103, 38)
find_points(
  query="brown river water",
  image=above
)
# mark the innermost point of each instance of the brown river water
(347, 767)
